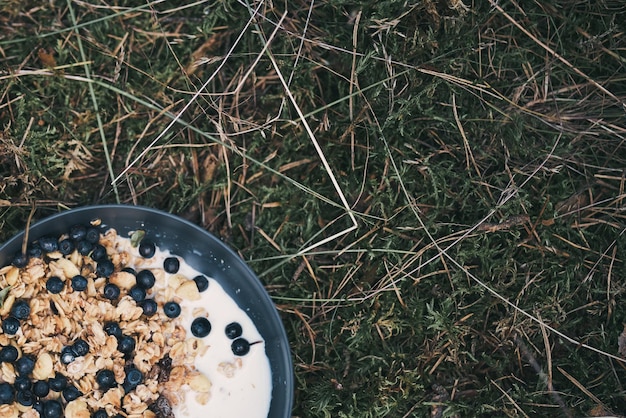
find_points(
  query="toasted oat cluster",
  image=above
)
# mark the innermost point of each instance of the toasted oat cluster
(86, 332)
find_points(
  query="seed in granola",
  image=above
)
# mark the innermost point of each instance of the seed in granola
(10, 325)
(79, 283)
(240, 347)
(7, 393)
(41, 388)
(145, 279)
(20, 260)
(200, 327)
(25, 397)
(92, 235)
(171, 309)
(58, 382)
(8, 354)
(149, 307)
(113, 328)
(71, 392)
(202, 283)
(126, 344)
(80, 347)
(105, 379)
(20, 309)
(105, 268)
(66, 246)
(147, 249)
(48, 244)
(111, 291)
(137, 293)
(52, 409)
(233, 330)
(171, 265)
(55, 285)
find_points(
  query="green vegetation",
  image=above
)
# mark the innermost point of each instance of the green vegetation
(480, 147)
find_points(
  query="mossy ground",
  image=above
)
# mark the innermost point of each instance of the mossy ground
(479, 147)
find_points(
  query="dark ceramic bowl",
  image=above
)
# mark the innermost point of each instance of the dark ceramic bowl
(205, 253)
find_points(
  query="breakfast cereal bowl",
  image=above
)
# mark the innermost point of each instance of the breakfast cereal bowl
(209, 343)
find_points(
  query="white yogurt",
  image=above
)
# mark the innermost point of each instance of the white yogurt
(247, 393)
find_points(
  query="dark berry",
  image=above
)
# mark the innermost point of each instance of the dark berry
(70, 393)
(20, 309)
(171, 265)
(79, 283)
(111, 291)
(84, 247)
(80, 347)
(66, 246)
(100, 413)
(202, 283)
(38, 406)
(8, 354)
(10, 325)
(55, 285)
(92, 235)
(130, 270)
(149, 307)
(22, 383)
(98, 252)
(78, 232)
(200, 327)
(67, 355)
(25, 397)
(52, 409)
(233, 330)
(171, 309)
(147, 249)
(133, 378)
(34, 250)
(19, 260)
(41, 388)
(113, 328)
(145, 279)
(105, 379)
(7, 394)
(58, 382)
(126, 344)
(137, 293)
(105, 268)
(240, 347)
(49, 244)
(25, 365)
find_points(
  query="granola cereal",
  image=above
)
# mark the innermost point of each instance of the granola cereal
(98, 325)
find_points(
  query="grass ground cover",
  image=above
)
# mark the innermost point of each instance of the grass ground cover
(432, 191)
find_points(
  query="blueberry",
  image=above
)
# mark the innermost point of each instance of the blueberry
(105, 379)
(84, 247)
(113, 328)
(67, 355)
(41, 388)
(100, 413)
(200, 327)
(240, 347)
(55, 285)
(98, 252)
(79, 283)
(233, 330)
(77, 232)
(22, 383)
(70, 393)
(105, 268)
(171, 265)
(130, 270)
(149, 307)
(34, 250)
(8, 354)
(202, 283)
(10, 325)
(38, 406)
(145, 279)
(66, 246)
(52, 409)
(147, 249)
(126, 344)
(137, 293)
(48, 244)
(20, 309)
(171, 309)
(133, 378)
(58, 382)
(25, 397)
(20, 259)
(80, 347)
(7, 394)
(25, 365)
(92, 235)
(111, 291)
